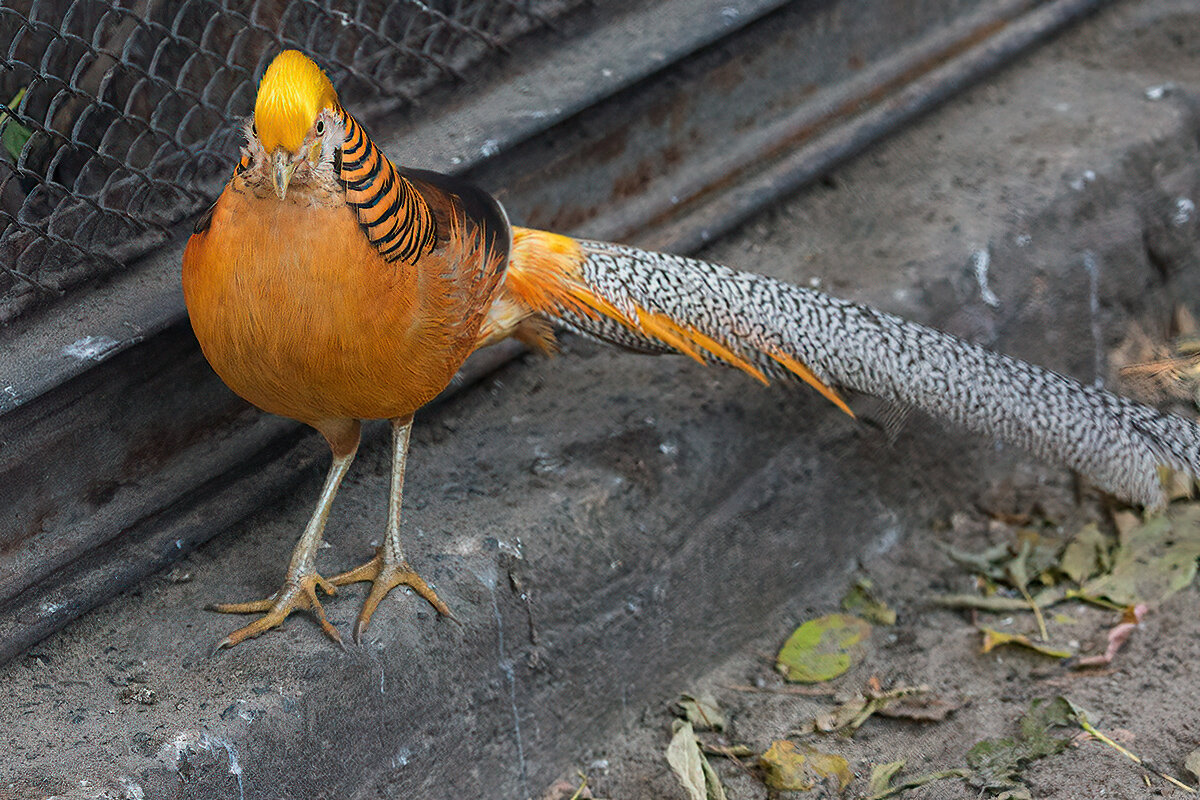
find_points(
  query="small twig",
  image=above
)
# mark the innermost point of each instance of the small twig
(1037, 613)
(579, 792)
(727, 752)
(1096, 734)
(807, 691)
(1077, 594)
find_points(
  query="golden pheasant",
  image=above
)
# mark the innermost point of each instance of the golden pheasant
(327, 285)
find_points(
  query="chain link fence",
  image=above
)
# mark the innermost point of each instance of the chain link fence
(119, 119)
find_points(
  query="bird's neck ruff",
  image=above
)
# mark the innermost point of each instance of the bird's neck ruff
(292, 93)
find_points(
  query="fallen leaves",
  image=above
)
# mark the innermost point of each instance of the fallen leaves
(1150, 560)
(823, 648)
(695, 774)
(1192, 763)
(1086, 554)
(861, 600)
(789, 767)
(702, 711)
(1154, 560)
(853, 711)
(994, 766)
(993, 638)
(996, 763)
(924, 707)
(1127, 564)
(880, 785)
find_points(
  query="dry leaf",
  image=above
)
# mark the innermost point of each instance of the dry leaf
(851, 714)
(787, 767)
(702, 711)
(1125, 522)
(861, 600)
(994, 638)
(691, 768)
(712, 781)
(921, 708)
(1155, 560)
(732, 751)
(823, 648)
(1043, 599)
(997, 763)
(1086, 554)
(885, 772)
(881, 776)
(683, 755)
(1192, 763)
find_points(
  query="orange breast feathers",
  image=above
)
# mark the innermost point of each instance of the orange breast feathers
(299, 314)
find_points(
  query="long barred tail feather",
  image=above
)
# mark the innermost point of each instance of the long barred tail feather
(653, 302)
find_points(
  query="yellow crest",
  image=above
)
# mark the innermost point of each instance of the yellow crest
(293, 91)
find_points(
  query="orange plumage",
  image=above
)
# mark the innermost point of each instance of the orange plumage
(299, 314)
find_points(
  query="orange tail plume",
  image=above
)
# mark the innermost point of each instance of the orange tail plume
(615, 294)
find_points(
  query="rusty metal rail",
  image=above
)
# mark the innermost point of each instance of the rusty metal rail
(666, 125)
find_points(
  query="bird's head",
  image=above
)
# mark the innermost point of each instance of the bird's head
(296, 119)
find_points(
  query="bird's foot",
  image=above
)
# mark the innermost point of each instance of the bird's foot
(300, 593)
(384, 577)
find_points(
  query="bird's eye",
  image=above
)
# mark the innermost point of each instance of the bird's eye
(320, 127)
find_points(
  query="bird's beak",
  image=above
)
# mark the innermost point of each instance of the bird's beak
(282, 168)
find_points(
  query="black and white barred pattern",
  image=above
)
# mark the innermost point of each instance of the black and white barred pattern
(1117, 443)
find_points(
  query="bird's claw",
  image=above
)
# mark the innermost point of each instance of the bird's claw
(384, 577)
(295, 594)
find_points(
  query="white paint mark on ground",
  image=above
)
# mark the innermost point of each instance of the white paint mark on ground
(235, 769)
(1159, 91)
(980, 261)
(50, 608)
(506, 666)
(189, 741)
(1086, 177)
(890, 537)
(90, 347)
(1184, 209)
(513, 550)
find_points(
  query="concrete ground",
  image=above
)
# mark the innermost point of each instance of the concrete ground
(612, 530)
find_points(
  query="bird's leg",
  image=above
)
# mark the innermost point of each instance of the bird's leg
(299, 588)
(388, 569)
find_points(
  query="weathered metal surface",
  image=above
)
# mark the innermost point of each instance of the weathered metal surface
(117, 443)
(755, 117)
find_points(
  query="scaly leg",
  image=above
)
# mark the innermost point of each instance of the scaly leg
(299, 588)
(388, 569)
